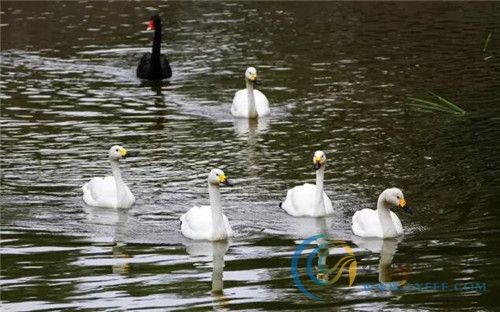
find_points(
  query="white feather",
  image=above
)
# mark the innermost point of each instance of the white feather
(197, 224)
(300, 201)
(240, 104)
(366, 223)
(101, 192)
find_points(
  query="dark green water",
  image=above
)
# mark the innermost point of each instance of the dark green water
(337, 76)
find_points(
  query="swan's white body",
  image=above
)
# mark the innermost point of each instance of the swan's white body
(250, 102)
(110, 191)
(309, 199)
(198, 223)
(207, 222)
(381, 223)
(246, 106)
(102, 192)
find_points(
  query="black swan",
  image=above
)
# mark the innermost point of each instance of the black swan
(154, 66)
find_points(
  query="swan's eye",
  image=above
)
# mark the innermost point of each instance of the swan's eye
(217, 174)
(397, 197)
(117, 150)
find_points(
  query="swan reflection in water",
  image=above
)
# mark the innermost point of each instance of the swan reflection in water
(118, 219)
(250, 127)
(158, 101)
(248, 130)
(386, 248)
(217, 250)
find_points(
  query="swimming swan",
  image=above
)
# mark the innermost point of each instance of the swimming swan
(250, 102)
(154, 65)
(110, 191)
(381, 223)
(310, 199)
(208, 222)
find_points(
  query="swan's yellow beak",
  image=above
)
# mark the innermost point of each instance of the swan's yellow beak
(404, 206)
(225, 181)
(253, 76)
(222, 178)
(123, 152)
(317, 162)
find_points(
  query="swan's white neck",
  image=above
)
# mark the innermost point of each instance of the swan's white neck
(252, 109)
(319, 199)
(120, 186)
(384, 215)
(218, 229)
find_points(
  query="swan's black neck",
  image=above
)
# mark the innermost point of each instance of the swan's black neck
(155, 54)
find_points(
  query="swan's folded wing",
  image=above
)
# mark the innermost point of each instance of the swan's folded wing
(165, 67)
(197, 222)
(328, 204)
(365, 223)
(227, 226)
(299, 200)
(240, 106)
(261, 103)
(100, 192)
(397, 223)
(143, 67)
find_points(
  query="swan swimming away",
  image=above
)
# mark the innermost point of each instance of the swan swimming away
(381, 223)
(110, 191)
(154, 65)
(250, 102)
(310, 199)
(208, 222)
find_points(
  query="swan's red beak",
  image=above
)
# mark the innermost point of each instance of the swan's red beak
(151, 25)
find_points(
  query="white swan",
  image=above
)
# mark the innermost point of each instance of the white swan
(110, 191)
(250, 102)
(310, 199)
(381, 223)
(208, 222)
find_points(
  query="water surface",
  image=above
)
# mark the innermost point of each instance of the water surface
(337, 76)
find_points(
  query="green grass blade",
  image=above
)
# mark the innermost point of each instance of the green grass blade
(487, 42)
(448, 103)
(429, 108)
(429, 103)
(418, 108)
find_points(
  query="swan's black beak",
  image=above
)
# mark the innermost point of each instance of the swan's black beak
(316, 165)
(408, 210)
(228, 182)
(131, 154)
(405, 207)
(257, 82)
